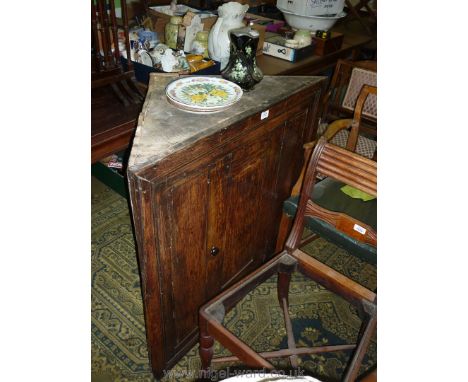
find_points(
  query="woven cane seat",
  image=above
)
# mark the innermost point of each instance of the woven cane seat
(365, 146)
(359, 78)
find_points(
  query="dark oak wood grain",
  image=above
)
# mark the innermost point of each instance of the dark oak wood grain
(206, 194)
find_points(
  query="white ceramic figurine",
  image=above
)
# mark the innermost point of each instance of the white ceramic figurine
(231, 16)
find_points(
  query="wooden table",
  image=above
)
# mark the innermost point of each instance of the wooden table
(352, 44)
(113, 125)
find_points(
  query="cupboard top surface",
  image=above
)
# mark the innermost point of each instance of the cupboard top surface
(163, 129)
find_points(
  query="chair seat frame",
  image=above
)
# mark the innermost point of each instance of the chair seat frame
(359, 172)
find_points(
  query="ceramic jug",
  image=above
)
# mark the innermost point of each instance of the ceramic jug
(242, 67)
(230, 16)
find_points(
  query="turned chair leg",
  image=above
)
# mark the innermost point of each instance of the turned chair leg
(284, 280)
(205, 348)
(366, 332)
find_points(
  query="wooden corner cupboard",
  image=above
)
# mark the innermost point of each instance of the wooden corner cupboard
(206, 195)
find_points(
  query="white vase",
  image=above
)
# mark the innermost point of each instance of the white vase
(231, 16)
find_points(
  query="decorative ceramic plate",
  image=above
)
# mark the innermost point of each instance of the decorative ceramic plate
(145, 58)
(204, 93)
(183, 107)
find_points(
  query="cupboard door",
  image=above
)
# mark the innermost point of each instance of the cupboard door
(182, 218)
(250, 187)
(218, 217)
(191, 223)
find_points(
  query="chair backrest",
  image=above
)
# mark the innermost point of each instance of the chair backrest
(367, 97)
(359, 78)
(105, 38)
(347, 167)
(345, 86)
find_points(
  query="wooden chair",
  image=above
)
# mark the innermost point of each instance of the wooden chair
(368, 18)
(349, 120)
(116, 98)
(343, 166)
(340, 101)
(364, 106)
(352, 140)
(106, 66)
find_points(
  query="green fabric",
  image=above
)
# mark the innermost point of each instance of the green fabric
(328, 194)
(356, 194)
(110, 178)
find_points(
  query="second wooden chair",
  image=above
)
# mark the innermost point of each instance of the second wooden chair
(345, 167)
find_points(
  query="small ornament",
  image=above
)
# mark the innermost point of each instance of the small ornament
(169, 62)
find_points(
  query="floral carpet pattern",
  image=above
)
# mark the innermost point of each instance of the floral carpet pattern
(118, 342)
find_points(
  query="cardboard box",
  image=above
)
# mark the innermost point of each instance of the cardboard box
(142, 72)
(274, 46)
(160, 19)
(259, 23)
(261, 38)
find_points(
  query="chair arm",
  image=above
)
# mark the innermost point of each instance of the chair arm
(336, 126)
(332, 129)
(309, 146)
(358, 109)
(363, 94)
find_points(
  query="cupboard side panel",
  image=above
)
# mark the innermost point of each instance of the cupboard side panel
(147, 250)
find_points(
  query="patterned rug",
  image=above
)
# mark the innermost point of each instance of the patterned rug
(118, 342)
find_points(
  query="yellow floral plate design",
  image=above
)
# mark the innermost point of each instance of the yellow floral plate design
(203, 94)
(183, 107)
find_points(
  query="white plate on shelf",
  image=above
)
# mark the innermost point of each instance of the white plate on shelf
(197, 111)
(145, 58)
(203, 93)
